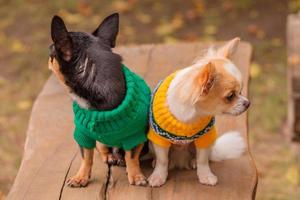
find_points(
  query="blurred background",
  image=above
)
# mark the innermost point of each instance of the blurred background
(24, 40)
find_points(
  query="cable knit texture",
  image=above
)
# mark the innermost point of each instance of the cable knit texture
(124, 127)
(164, 118)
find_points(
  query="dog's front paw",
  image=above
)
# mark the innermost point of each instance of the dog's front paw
(137, 179)
(157, 179)
(208, 179)
(78, 181)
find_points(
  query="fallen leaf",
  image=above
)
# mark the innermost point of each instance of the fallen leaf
(164, 29)
(122, 6)
(276, 42)
(84, 9)
(255, 70)
(252, 29)
(292, 175)
(208, 38)
(210, 29)
(167, 28)
(294, 6)
(70, 17)
(17, 47)
(170, 40)
(177, 21)
(128, 30)
(24, 104)
(199, 7)
(143, 17)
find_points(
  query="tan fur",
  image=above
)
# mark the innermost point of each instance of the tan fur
(55, 68)
(135, 176)
(205, 78)
(223, 85)
(104, 152)
(211, 82)
(81, 179)
(228, 49)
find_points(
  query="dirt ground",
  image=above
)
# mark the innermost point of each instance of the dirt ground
(24, 38)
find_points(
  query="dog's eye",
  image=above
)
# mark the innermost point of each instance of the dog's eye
(230, 97)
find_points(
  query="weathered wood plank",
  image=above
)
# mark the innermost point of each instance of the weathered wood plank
(293, 77)
(137, 57)
(166, 58)
(49, 150)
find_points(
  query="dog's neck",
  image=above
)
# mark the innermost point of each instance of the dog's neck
(183, 112)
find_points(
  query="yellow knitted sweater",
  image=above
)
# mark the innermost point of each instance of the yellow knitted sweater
(167, 122)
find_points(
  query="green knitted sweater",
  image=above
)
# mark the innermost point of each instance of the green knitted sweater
(124, 127)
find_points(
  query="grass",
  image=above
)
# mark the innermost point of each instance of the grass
(24, 38)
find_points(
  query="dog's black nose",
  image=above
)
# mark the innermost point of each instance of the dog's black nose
(246, 104)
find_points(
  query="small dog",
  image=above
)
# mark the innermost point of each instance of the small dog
(182, 111)
(110, 102)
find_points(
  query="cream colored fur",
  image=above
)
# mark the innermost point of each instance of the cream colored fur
(228, 146)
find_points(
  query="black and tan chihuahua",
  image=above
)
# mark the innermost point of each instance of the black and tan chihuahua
(85, 64)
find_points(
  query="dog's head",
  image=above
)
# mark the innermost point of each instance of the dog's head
(74, 56)
(216, 83)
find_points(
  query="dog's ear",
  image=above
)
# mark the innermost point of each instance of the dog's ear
(108, 29)
(61, 39)
(229, 49)
(197, 84)
(206, 78)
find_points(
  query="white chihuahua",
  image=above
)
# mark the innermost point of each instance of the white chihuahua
(182, 111)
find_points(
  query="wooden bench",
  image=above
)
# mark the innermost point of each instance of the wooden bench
(293, 77)
(51, 155)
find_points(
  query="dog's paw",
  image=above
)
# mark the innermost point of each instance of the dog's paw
(78, 181)
(157, 179)
(208, 179)
(137, 179)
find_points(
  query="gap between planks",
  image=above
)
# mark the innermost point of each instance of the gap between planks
(66, 176)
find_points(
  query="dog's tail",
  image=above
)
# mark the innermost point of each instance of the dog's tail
(228, 146)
